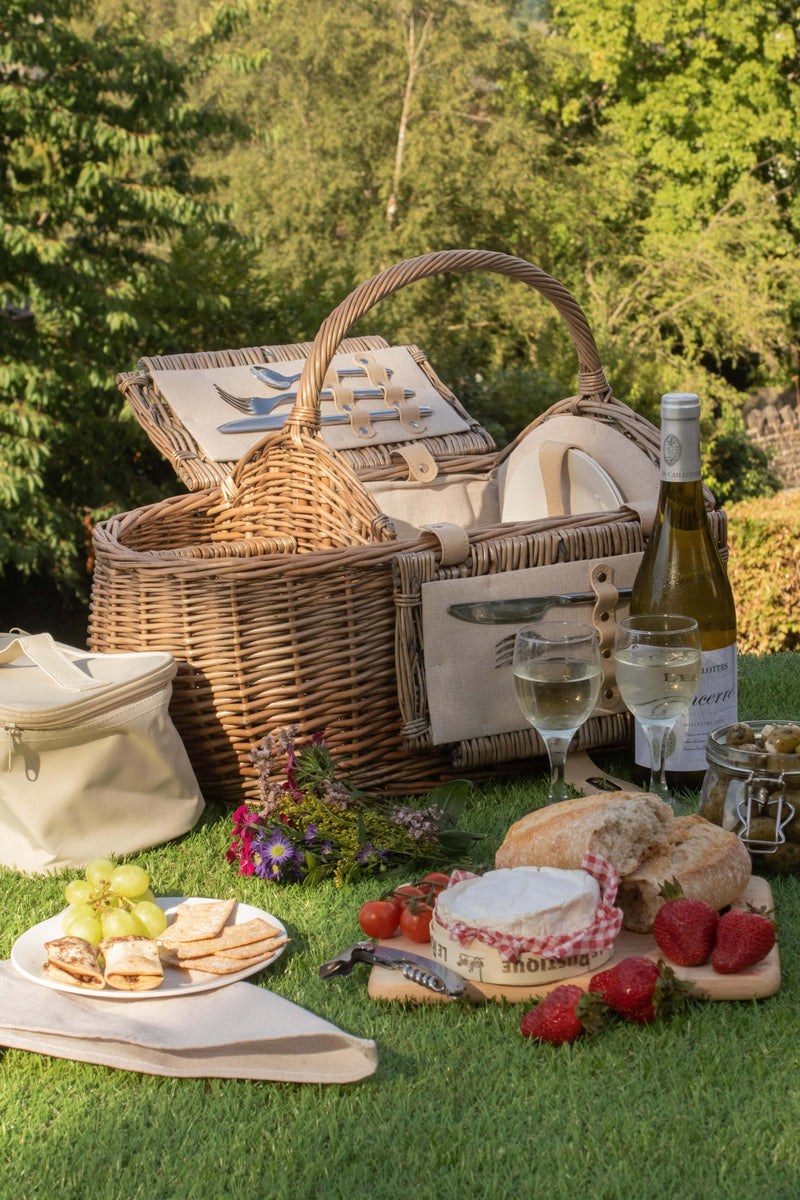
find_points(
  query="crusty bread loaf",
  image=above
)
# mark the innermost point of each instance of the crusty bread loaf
(621, 827)
(709, 863)
(645, 842)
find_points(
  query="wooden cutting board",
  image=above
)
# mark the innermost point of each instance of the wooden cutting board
(761, 980)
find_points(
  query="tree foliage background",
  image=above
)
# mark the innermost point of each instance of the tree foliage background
(186, 177)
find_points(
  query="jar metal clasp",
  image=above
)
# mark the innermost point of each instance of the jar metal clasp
(762, 799)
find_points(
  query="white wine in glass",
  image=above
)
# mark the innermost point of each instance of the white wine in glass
(657, 657)
(557, 674)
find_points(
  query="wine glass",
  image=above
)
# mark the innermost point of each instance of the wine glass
(658, 669)
(557, 672)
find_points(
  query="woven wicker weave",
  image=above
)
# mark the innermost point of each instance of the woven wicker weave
(304, 631)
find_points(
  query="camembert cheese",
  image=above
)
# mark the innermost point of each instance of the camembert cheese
(522, 902)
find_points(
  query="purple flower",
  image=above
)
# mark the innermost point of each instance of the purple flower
(277, 847)
(311, 831)
(272, 853)
(422, 825)
(371, 856)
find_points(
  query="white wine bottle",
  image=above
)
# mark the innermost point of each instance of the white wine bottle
(682, 572)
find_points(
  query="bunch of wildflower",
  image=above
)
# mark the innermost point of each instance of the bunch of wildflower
(309, 825)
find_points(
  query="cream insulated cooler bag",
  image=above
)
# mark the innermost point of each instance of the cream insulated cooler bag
(92, 764)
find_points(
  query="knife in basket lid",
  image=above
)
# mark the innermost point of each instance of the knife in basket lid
(261, 422)
(523, 608)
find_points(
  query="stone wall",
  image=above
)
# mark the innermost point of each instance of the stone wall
(776, 427)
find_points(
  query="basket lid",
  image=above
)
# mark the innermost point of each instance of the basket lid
(379, 401)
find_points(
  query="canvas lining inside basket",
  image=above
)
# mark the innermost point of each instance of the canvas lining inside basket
(536, 469)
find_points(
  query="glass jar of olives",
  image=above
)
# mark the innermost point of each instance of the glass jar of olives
(752, 786)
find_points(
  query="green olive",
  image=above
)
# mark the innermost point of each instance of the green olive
(792, 829)
(713, 806)
(783, 739)
(785, 859)
(740, 735)
(762, 829)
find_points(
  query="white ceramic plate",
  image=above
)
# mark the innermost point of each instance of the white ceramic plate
(587, 487)
(28, 956)
(591, 488)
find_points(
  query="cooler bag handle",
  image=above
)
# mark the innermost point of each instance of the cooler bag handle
(42, 650)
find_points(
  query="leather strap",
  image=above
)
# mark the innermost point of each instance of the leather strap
(375, 372)
(453, 542)
(601, 579)
(586, 776)
(407, 414)
(646, 511)
(551, 465)
(421, 464)
(345, 402)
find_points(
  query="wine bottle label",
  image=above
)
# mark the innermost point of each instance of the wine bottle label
(680, 451)
(714, 705)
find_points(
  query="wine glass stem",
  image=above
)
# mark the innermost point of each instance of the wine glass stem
(557, 747)
(657, 737)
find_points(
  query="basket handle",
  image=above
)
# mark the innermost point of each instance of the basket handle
(306, 411)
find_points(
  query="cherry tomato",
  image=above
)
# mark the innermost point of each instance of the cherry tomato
(378, 919)
(435, 881)
(415, 922)
(404, 894)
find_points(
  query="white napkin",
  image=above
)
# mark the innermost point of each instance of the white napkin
(235, 1032)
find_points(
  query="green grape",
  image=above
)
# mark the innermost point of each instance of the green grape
(152, 918)
(99, 871)
(129, 881)
(147, 895)
(88, 928)
(78, 891)
(118, 923)
(78, 913)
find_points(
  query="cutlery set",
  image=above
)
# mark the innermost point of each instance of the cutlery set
(259, 410)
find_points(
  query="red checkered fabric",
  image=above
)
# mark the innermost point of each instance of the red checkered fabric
(597, 936)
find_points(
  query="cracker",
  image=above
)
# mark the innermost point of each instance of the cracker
(254, 949)
(197, 922)
(215, 964)
(255, 930)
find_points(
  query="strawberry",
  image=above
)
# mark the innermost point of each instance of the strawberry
(563, 1015)
(744, 937)
(685, 929)
(639, 989)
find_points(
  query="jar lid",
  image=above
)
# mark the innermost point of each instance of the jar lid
(742, 761)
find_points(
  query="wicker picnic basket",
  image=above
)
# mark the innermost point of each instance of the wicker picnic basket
(286, 597)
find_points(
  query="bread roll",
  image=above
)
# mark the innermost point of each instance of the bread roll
(709, 863)
(639, 835)
(621, 827)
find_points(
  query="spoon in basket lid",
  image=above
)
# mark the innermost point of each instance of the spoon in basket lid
(274, 379)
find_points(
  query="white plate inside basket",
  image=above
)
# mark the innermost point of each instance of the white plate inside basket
(28, 956)
(587, 487)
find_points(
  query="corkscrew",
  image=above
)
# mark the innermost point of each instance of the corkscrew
(423, 971)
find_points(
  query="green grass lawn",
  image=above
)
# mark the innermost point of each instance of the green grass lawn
(705, 1105)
